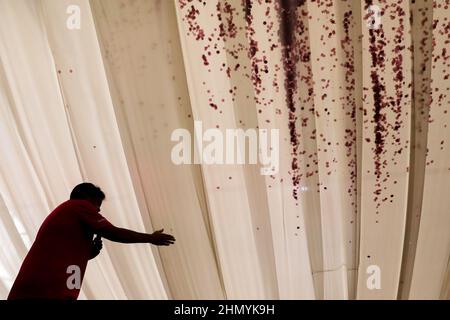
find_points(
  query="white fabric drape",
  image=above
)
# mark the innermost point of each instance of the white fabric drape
(362, 119)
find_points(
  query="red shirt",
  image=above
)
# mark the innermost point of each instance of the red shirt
(64, 239)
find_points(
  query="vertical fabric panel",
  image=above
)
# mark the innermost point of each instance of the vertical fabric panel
(422, 18)
(147, 79)
(252, 45)
(99, 150)
(385, 155)
(335, 119)
(212, 103)
(38, 159)
(433, 243)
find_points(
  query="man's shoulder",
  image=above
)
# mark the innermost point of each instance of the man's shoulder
(77, 205)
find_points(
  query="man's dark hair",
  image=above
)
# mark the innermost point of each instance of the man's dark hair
(85, 191)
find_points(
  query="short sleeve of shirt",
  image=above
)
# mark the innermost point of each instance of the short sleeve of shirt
(91, 218)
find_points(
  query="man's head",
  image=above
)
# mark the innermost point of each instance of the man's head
(88, 191)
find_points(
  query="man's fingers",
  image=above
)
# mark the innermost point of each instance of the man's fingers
(98, 244)
(165, 235)
(97, 240)
(165, 243)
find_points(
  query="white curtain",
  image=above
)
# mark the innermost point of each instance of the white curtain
(362, 117)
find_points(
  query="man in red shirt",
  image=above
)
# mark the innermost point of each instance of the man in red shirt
(65, 242)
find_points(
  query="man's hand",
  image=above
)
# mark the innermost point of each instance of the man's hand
(162, 239)
(96, 247)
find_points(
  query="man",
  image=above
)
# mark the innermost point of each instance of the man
(65, 243)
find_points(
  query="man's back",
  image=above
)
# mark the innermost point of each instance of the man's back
(63, 240)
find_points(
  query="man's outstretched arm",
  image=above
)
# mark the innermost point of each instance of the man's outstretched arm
(122, 235)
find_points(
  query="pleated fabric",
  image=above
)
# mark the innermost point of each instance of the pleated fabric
(361, 113)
